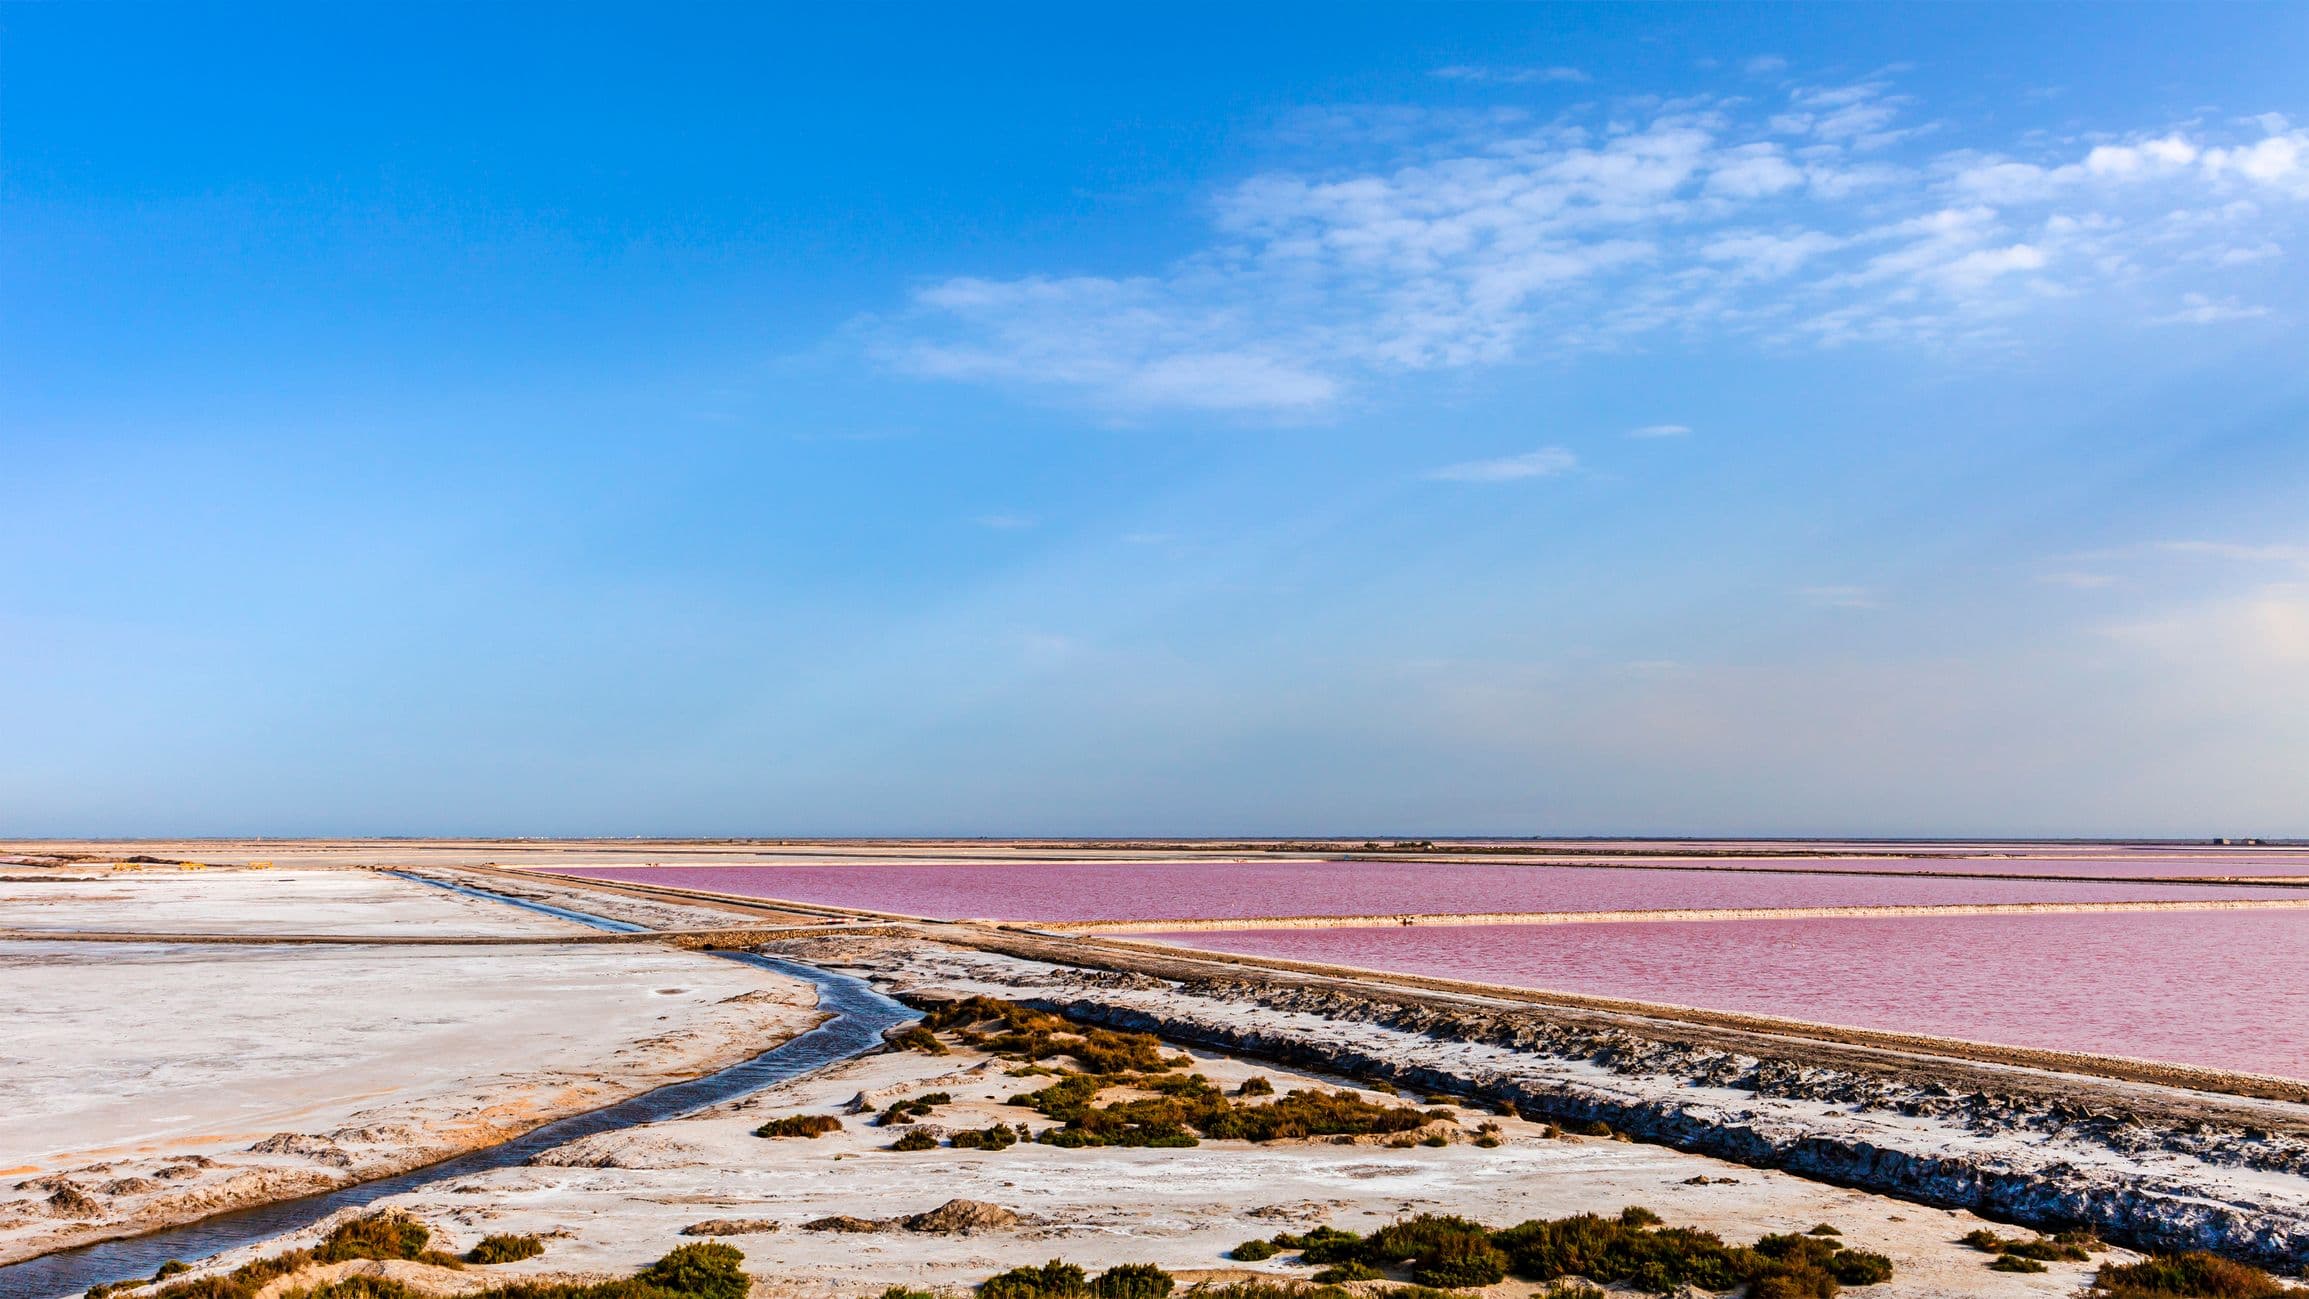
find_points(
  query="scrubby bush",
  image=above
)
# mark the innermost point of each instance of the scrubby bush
(380, 1235)
(2015, 1263)
(1636, 1215)
(1255, 1085)
(2192, 1275)
(913, 1140)
(1443, 1252)
(2067, 1247)
(812, 1126)
(1323, 1245)
(505, 1249)
(994, 1136)
(914, 1037)
(1823, 1229)
(1253, 1251)
(706, 1270)
(1351, 1270)
(1132, 1281)
(1052, 1280)
(1189, 1105)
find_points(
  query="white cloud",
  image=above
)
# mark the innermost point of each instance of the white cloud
(1485, 236)
(1660, 431)
(1765, 65)
(2078, 581)
(1004, 522)
(1546, 462)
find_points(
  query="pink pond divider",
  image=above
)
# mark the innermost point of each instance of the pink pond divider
(2219, 989)
(1237, 890)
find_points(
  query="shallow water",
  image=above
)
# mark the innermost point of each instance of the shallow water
(2226, 990)
(1214, 890)
(860, 1015)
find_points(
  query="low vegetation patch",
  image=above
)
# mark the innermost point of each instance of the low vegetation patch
(382, 1235)
(1062, 1280)
(812, 1126)
(2066, 1247)
(505, 1249)
(1254, 1251)
(1632, 1249)
(1189, 1106)
(994, 1136)
(915, 1139)
(1022, 1033)
(2193, 1275)
(697, 1271)
(909, 1109)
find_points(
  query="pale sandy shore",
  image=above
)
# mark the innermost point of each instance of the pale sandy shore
(147, 1084)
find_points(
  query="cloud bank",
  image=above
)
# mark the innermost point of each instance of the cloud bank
(1822, 219)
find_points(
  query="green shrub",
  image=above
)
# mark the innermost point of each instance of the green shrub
(1823, 1229)
(1255, 1085)
(914, 1037)
(379, 1235)
(1636, 1215)
(1443, 1252)
(1053, 1280)
(2015, 1263)
(1793, 1283)
(1253, 1251)
(1859, 1267)
(915, 1139)
(706, 1270)
(360, 1287)
(994, 1136)
(2191, 1275)
(505, 1249)
(1323, 1245)
(1347, 1271)
(812, 1126)
(1132, 1281)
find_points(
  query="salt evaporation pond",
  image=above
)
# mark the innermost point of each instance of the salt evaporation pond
(1237, 890)
(2121, 866)
(2224, 990)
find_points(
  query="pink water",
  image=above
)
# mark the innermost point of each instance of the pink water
(2129, 866)
(2225, 990)
(1219, 890)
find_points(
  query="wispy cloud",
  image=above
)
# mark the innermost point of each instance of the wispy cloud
(2247, 552)
(2197, 309)
(1840, 597)
(1546, 462)
(2078, 580)
(1004, 522)
(1661, 431)
(1515, 76)
(1817, 220)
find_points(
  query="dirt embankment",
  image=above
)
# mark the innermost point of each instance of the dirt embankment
(2141, 1164)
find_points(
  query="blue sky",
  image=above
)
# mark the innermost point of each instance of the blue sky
(1485, 419)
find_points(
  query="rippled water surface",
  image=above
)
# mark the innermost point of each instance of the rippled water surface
(2223, 989)
(1217, 890)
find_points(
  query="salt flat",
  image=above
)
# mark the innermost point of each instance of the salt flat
(168, 900)
(136, 1077)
